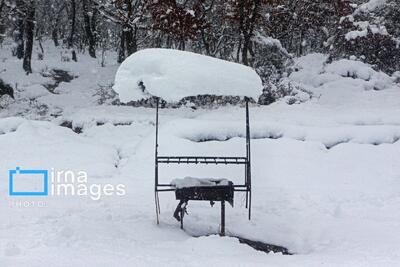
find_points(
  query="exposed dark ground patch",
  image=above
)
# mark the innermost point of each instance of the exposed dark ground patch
(100, 123)
(328, 146)
(210, 139)
(58, 76)
(261, 246)
(79, 130)
(68, 124)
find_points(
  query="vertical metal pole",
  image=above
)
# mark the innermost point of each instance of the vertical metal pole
(246, 180)
(222, 233)
(156, 199)
(250, 204)
(182, 215)
(246, 183)
(248, 165)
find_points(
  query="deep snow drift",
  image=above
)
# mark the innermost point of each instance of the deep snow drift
(325, 173)
(173, 75)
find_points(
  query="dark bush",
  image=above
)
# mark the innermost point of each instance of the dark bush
(6, 89)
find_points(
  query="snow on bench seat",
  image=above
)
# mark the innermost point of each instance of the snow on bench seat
(195, 182)
(206, 189)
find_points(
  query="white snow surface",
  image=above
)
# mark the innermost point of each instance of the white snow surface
(370, 6)
(325, 173)
(356, 34)
(173, 75)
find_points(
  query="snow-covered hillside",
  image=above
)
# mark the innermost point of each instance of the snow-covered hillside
(326, 172)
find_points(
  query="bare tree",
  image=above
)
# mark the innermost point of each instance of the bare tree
(128, 15)
(87, 16)
(181, 21)
(18, 34)
(72, 31)
(2, 20)
(247, 14)
(29, 31)
(55, 24)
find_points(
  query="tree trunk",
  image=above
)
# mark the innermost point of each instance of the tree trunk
(205, 43)
(182, 45)
(29, 27)
(93, 22)
(19, 29)
(247, 26)
(121, 52)
(130, 40)
(54, 32)
(245, 50)
(54, 36)
(88, 29)
(72, 33)
(2, 4)
(128, 36)
(2, 26)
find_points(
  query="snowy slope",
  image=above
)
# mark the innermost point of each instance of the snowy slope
(325, 176)
(33, 99)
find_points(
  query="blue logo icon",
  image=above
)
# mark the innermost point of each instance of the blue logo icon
(37, 174)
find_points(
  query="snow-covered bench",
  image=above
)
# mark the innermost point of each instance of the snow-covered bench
(171, 75)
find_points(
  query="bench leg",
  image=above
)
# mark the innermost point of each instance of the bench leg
(222, 233)
(182, 220)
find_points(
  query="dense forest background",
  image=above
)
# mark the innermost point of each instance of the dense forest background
(264, 34)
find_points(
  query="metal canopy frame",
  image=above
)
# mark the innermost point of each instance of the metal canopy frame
(246, 161)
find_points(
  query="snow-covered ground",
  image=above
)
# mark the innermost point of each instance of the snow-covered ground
(326, 173)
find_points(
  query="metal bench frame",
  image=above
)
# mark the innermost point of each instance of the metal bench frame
(245, 161)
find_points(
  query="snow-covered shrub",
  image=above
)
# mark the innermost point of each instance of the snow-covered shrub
(271, 63)
(314, 76)
(365, 35)
(105, 94)
(391, 13)
(379, 50)
(271, 59)
(359, 70)
(64, 57)
(38, 108)
(286, 90)
(5, 101)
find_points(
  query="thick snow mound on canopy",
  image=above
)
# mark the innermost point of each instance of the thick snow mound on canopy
(173, 75)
